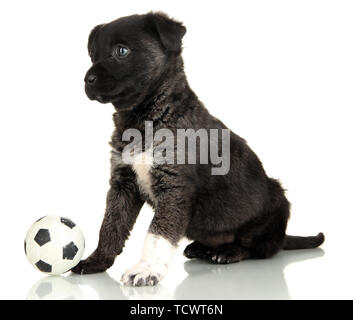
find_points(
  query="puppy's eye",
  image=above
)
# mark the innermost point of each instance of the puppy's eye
(121, 51)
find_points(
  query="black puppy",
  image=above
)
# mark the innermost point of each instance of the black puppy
(241, 214)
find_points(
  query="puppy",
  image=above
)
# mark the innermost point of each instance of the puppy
(236, 214)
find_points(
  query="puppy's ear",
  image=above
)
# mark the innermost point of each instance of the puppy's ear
(168, 31)
(91, 37)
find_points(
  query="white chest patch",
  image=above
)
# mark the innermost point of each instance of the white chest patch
(142, 164)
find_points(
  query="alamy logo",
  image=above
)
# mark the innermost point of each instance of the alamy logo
(185, 146)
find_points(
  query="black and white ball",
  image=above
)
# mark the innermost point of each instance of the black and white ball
(54, 244)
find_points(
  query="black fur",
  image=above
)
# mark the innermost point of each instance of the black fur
(231, 217)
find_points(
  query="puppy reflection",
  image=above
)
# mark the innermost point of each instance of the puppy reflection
(261, 279)
(73, 287)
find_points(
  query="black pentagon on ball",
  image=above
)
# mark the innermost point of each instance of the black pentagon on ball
(69, 251)
(42, 237)
(67, 222)
(43, 266)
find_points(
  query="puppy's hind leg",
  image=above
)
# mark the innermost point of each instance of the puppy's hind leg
(217, 248)
(197, 250)
(228, 253)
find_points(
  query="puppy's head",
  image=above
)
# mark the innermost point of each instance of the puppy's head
(129, 56)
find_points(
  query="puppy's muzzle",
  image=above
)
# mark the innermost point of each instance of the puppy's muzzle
(91, 80)
(99, 84)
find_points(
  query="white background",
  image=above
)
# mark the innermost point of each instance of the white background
(278, 73)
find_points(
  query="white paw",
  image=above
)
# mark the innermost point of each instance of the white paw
(144, 274)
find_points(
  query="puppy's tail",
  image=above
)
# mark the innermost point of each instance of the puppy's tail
(297, 242)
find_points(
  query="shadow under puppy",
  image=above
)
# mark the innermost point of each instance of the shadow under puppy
(137, 66)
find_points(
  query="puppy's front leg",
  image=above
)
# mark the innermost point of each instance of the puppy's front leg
(167, 228)
(123, 205)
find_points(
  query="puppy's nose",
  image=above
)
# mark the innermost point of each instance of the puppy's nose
(91, 79)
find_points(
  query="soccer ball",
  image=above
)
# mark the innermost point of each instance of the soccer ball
(54, 244)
